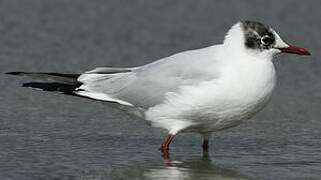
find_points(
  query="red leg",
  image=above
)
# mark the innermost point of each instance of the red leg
(206, 137)
(205, 145)
(165, 146)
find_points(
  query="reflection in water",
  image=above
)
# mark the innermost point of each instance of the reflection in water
(192, 169)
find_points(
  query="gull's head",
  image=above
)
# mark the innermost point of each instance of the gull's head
(258, 39)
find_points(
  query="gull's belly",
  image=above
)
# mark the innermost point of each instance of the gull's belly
(226, 112)
(232, 103)
(208, 109)
(214, 105)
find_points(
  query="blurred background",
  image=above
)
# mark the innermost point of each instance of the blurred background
(47, 135)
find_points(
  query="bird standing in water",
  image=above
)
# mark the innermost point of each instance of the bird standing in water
(202, 91)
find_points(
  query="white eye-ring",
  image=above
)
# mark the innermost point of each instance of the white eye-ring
(267, 40)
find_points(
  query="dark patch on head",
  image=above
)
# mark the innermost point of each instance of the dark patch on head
(257, 35)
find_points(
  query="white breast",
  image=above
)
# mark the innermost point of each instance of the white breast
(246, 90)
(242, 90)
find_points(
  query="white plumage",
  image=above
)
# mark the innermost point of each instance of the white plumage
(201, 90)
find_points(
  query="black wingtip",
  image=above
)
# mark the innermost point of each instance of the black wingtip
(65, 88)
(14, 73)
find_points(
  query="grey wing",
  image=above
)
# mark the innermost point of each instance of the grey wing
(147, 85)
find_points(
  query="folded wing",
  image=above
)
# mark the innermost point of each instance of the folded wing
(147, 85)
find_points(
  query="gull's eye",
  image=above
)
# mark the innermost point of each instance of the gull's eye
(267, 40)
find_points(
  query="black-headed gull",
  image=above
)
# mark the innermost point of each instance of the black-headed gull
(203, 90)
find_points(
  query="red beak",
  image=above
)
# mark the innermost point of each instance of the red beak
(295, 50)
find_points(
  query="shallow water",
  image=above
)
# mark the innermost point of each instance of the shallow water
(51, 136)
